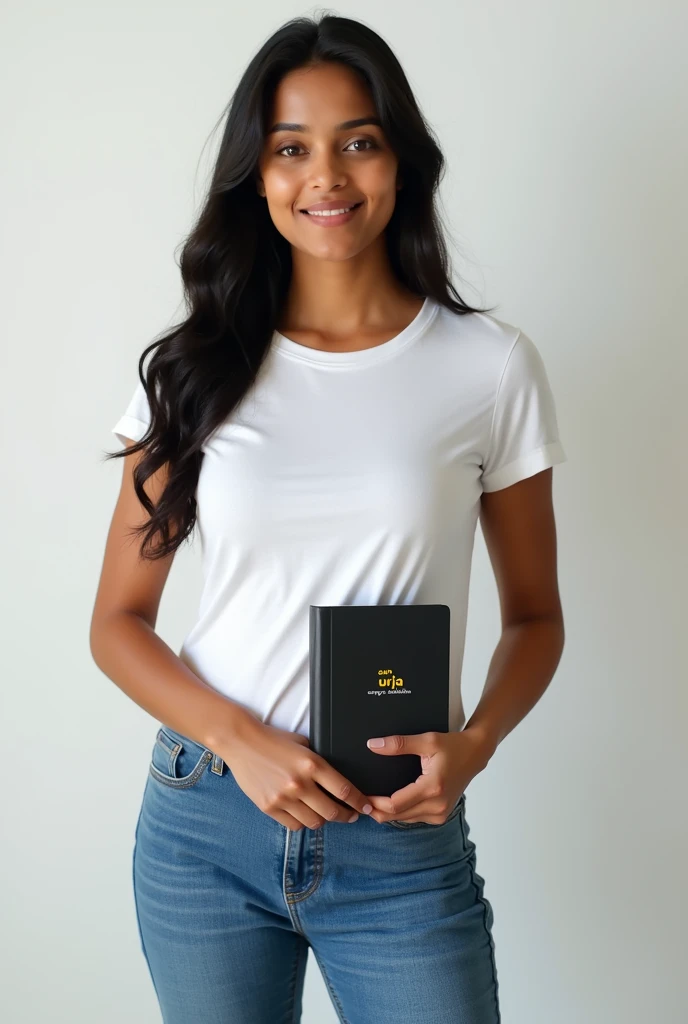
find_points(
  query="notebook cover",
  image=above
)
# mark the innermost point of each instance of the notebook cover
(376, 670)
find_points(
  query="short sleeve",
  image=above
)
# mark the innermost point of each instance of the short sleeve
(524, 437)
(134, 422)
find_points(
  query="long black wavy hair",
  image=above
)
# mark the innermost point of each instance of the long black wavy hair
(236, 266)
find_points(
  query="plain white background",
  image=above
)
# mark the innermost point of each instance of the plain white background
(564, 127)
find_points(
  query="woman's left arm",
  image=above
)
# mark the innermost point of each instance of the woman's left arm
(520, 535)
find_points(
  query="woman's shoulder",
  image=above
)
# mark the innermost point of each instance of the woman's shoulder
(481, 336)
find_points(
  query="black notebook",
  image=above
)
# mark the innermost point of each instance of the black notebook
(376, 670)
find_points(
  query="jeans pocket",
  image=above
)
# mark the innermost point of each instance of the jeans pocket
(455, 812)
(176, 760)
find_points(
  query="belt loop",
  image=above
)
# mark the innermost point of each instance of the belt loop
(218, 764)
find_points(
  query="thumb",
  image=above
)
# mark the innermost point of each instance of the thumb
(416, 743)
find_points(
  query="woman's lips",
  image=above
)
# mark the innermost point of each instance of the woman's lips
(329, 221)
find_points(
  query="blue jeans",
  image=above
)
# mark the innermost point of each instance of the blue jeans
(229, 900)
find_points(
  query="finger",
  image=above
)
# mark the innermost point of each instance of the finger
(286, 819)
(298, 814)
(408, 798)
(304, 812)
(422, 812)
(320, 803)
(425, 810)
(381, 803)
(339, 786)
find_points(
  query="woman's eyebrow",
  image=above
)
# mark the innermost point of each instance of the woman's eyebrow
(357, 122)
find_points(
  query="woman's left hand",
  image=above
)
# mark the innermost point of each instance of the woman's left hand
(449, 761)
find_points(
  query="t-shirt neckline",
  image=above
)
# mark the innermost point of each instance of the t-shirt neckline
(365, 356)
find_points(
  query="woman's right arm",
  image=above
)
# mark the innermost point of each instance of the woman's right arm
(274, 767)
(126, 647)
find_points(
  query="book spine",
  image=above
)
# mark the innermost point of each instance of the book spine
(320, 669)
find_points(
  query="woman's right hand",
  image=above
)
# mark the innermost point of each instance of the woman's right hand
(278, 771)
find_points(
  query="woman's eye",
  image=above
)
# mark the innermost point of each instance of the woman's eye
(356, 142)
(369, 142)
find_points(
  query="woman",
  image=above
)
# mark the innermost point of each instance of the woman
(336, 419)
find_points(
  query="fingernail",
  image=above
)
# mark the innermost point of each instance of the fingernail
(377, 742)
(367, 808)
(353, 816)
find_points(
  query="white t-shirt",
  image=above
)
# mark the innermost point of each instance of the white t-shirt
(355, 478)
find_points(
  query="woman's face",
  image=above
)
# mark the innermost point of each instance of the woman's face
(316, 160)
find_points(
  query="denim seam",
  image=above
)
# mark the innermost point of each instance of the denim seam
(333, 995)
(136, 904)
(293, 897)
(294, 978)
(171, 752)
(168, 750)
(490, 940)
(188, 780)
(218, 763)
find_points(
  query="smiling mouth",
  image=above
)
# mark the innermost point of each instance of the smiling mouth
(327, 214)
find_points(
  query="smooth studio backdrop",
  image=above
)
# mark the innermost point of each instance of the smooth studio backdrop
(564, 126)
